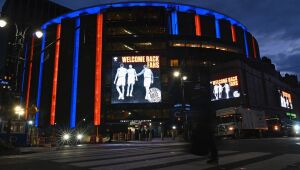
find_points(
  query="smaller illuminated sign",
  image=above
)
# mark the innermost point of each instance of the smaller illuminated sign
(225, 88)
(285, 99)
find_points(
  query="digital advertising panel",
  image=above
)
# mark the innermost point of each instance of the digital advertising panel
(285, 99)
(136, 79)
(225, 88)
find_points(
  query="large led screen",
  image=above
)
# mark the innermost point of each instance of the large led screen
(285, 99)
(135, 79)
(225, 88)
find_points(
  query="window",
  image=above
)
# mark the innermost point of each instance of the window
(174, 62)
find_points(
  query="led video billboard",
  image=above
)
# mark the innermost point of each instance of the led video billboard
(285, 99)
(225, 88)
(135, 79)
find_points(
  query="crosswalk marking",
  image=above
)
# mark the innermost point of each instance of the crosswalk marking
(146, 163)
(112, 156)
(82, 153)
(126, 159)
(162, 157)
(276, 163)
(223, 161)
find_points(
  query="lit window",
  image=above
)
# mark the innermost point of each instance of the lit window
(174, 62)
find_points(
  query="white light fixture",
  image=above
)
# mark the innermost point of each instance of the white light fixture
(30, 122)
(39, 34)
(66, 137)
(79, 136)
(174, 127)
(184, 78)
(176, 73)
(3, 23)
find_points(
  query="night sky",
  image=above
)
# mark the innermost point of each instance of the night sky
(274, 23)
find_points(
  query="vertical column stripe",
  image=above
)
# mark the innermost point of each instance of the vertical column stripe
(38, 99)
(233, 33)
(246, 44)
(198, 25)
(75, 74)
(55, 75)
(254, 48)
(218, 35)
(23, 74)
(29, 77)
(174, 21)
(98, 70)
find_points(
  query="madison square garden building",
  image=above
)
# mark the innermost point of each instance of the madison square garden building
(113, 64)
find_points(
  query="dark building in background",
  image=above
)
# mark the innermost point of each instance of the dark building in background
(24, 17)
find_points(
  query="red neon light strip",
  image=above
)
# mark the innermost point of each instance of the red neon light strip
(254, 47)
(29, 77)
(55, 75)
(198, 25)
(98, 71)
(233, 33)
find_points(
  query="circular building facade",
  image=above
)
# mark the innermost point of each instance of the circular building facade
(114, 63)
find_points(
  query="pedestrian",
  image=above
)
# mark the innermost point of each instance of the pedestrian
(203, 138)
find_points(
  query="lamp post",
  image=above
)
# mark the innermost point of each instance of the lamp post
(18, 44)
(183, 78)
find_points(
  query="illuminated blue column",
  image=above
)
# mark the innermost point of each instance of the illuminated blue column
(246, 44)
(24, 71)
(218, 35)
(173, 25)
(75, 74)
(38, 99)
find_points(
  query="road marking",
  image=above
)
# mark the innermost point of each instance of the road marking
(146, 163)
(275, 163)
(222, 161)
(125, 159)
(112, 156)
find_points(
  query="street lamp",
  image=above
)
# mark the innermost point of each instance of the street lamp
(3, 23)
(19, 45)
(19, 111)
(183, 78)
(176, 73)
(39, 34)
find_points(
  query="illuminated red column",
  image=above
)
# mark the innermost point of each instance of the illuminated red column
(233, 33)
(29, 77)
(55, 75)
(254, 47)
(198, 25)
(98, 70)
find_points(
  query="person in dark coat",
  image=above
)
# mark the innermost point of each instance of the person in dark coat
(202, 138)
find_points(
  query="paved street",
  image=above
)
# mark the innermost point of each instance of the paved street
(265, 154)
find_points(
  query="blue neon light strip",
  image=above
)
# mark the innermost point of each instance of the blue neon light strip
(246, 44)
(174, 21)
(218, 35)
(24, 70)
(179, 8)
(75, 74)
(38, 99)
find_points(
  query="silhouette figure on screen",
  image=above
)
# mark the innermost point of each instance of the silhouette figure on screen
(120, 80)
(148, 80)
(227, 90)
(216, 91)
(220, 90)
(131, 78)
